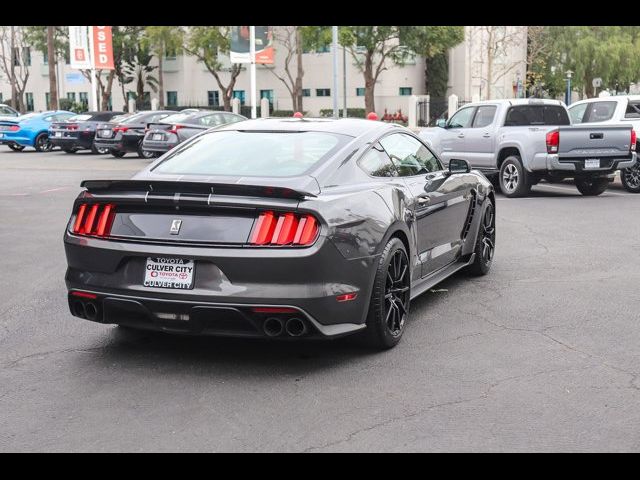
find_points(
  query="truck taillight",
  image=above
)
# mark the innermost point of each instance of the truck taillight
(634, 137)
(553, 141)
(120, 128)
(94, 219)
(175, 128)
(273, 228)
(14, 128)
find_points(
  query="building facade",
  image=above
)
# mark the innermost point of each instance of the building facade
(188, 83)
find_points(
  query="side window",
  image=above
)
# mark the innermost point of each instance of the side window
(633, 110)
(600, 111)
(155, 118)
(212, 120)
(484, 116)
(409, 155)
(462, 118)
(377, 163)
(230, 118)
(49, 118)
(577, 113)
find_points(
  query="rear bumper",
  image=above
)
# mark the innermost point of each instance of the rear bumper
(228, 283)
(554, 163)
(122, 143)
(157, 146)
(19, 139)
(83, 141)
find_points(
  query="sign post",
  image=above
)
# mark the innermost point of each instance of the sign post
(252, 55)
(94, 93)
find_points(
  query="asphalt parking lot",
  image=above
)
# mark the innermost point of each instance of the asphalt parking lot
(542, 354)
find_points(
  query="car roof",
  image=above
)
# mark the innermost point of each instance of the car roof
(346, 126)
(515, 101)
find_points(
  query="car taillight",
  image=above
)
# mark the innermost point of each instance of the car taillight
(553, 141)
(14, 128)
(94, 219)
(120, 128)
(72, 127)
(284, 229)
(175, 128)
(634, 137)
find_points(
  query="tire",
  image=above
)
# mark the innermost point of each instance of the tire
(117, 153)
(514, 181)
(98, 151)
(591, 187)
(145, 153)
(630, 178)
(69, 150)
(389, 306)
(485, 243)
(15, 147)
(42, 143)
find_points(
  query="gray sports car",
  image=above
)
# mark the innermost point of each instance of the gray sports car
(281, 228)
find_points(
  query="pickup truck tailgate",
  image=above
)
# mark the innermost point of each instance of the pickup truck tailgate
(577, 141)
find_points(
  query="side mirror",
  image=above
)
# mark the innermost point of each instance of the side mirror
(441, 122)
(457, 165)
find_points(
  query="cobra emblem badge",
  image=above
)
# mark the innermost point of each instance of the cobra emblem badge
(175, 227)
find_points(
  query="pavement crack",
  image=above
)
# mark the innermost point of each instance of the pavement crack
(13, 363)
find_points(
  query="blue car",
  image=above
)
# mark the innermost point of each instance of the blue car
(31, 130)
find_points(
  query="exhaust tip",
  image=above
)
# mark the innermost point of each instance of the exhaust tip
(79, 310)
(91, 310)
(273, 327)
(296, 327)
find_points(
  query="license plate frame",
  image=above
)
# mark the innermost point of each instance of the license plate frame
(591, 163)
(169, 273)
(156, 137)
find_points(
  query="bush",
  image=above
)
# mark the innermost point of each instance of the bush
(351, 112)
(76, 107)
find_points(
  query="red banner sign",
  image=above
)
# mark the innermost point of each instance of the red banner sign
(102, 48)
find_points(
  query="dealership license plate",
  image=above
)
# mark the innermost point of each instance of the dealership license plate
(157, 136)
(105, 133)
(173, 273)
(592, 163)
(58, 134)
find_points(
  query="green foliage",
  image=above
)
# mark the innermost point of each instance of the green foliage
(207, 43)
(351, 112)
(609, 52)
(139, 70)
(437, 75)
(161, 39)
(36, 35)
(71, 106)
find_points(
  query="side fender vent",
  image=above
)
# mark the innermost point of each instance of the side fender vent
(472, 210)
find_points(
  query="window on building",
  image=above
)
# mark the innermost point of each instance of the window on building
(306, 92)
(84, 100)
(323, 49)
(239, 94)
(26, 56)
(0, 97)
(405, 91)
(360, 92)
(29, 98)
(171, 53)
(268, 94)
(47, 101)
(45, 58)
(213, 98)
(15, 55)
(110, 103)
(172, 99)
(131, 96)
(71, 96)
(323, 92)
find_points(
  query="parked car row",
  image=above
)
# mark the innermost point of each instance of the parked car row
(116, 133)
(516, 143)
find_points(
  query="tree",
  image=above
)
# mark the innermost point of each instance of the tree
(139, 70)
(53, 42)
(207, 44)
(433, 43)
(291, 39)
(160, 40)
(374, 48)
(51, 60)
(13, 62)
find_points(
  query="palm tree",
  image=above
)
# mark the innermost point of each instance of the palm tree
(139, 70)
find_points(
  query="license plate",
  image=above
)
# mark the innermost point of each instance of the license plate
(592, 163)
(1, 135)
(105, 133)
(157, 136)
(58, 134)
(173, 273)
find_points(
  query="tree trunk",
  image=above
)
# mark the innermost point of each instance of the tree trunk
(14, 90)
(107, 91)
(160, 78)
(369, 83)
(300, 73)
(51, 59)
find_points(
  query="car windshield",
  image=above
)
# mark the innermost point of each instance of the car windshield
(27, 116)
(79, 118)
(134, 118)
(177, 117)
(252, 153)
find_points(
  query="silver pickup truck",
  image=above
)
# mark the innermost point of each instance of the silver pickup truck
(519, 142)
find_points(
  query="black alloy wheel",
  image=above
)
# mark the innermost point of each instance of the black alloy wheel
(630, 178)
(42, 143)
(486, 242)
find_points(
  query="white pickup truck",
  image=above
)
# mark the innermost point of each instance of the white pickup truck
(612, 110)
(519, 142)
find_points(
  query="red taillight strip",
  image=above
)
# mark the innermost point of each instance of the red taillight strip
(79, 217)
(634, 138)
(105, 220)
(274, 310)
(284, 229)
(91, 216)
(75, 293)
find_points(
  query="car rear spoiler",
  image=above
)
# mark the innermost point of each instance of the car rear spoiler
(198, 188)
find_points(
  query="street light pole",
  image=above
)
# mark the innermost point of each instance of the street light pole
(568, 94)
(335, 71)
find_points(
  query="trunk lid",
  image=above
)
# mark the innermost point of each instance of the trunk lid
(578, 141)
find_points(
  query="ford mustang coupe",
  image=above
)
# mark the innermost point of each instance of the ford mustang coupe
(279, 228)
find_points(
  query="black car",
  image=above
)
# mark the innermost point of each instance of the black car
(175, 129)
(126, 136)
(284, 228)
(79, 131)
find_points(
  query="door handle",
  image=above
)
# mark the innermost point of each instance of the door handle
(461, 135)
(486, 135)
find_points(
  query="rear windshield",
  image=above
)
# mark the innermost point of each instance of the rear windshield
(523, 115)
(270, 154)
(79, 118)
(134, 118)
(177, 117)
